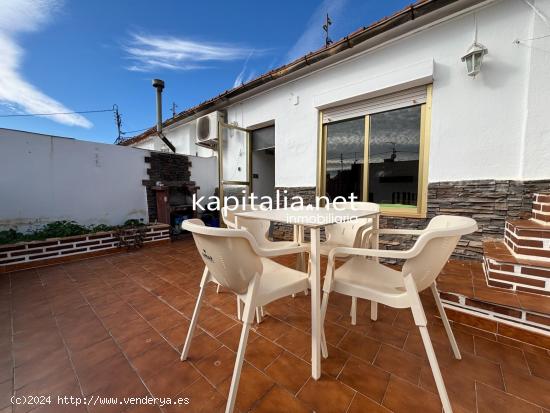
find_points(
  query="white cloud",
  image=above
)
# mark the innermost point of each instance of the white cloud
(240, 79)
(152, 52)
(313, 37)
(17, 16)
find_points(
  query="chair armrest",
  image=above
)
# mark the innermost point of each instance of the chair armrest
(276, 252)
(400, 231)
(401, 255)
(366, 234)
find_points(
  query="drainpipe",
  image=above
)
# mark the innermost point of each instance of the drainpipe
(159, 86)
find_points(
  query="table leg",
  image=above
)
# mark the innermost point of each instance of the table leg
(300, 259)
(315, 304)
(375, 244)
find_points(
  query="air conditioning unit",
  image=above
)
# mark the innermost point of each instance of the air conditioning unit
(207, 129)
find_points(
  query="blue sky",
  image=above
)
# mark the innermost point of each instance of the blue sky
(71, 55)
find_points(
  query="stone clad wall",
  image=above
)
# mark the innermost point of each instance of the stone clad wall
(164, 167)
(489, 202)
(285, 232)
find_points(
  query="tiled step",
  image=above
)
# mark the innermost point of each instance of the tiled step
(463, 286)
(541, 209)
(528, 239)
(506, 270)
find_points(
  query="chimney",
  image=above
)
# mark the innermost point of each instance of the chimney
(158, 84)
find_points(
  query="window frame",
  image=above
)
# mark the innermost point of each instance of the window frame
(423, 161)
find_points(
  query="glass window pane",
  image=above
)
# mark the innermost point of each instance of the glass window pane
(236, 191)
(345, 158)
(393, 157)
(235, 154)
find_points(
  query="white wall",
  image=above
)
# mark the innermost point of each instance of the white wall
(536, 150)
(480, 127)
(46, 178)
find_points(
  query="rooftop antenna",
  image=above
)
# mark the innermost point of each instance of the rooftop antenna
(393, 155)
(118, 122)
(158, 84)
(328, 22)
(174, 106)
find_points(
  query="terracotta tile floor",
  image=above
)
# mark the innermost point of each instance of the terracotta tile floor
(112, 326)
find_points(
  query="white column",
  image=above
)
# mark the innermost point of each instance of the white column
(315, 304)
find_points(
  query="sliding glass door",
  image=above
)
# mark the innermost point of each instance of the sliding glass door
(380, 156)
(345, 158)
(394, 153)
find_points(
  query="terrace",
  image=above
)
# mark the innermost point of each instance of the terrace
(113, 326)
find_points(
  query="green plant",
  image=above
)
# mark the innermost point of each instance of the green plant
(130, 223)
(100, 228)
(10, 236)
(60, 229)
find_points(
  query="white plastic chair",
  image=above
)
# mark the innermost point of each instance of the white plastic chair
(349, 234)
(354, 234)
(228, 213)
(368, 279)
(234, 259)
(259, 228)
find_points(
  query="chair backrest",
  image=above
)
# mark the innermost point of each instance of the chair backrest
(438, 242)
(259, 228)
(228, 254)
(349, 233)
(229, 211)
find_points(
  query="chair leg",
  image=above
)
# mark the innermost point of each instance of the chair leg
(258, 315)
(218, 289)
(262, 311)
(324, 305)
(300, 261)
(194, 319)
(248, 317)
(239, 309)
(306, 291)
(435, 370)
(446, 323)
(353, 311)
(420, 320)
(373, 310)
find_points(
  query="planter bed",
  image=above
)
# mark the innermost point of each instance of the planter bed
(23, 255)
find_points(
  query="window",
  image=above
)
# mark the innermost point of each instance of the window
(345, 158)
(392, 135)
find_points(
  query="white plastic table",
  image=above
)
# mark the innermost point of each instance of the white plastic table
(313, 219)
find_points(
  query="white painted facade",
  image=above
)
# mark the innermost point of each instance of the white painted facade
(494, 126)
(48, 178)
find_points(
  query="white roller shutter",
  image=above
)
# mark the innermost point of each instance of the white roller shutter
(404, 98)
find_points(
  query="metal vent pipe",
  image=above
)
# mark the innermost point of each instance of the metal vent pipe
(158, 84)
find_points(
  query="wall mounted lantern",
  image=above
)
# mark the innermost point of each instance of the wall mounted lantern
(474, 58)
(474, 55)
